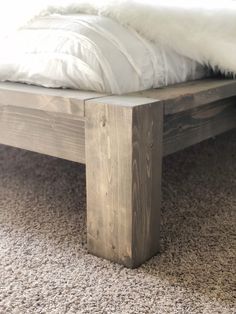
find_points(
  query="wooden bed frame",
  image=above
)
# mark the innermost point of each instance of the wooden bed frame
(122, 140)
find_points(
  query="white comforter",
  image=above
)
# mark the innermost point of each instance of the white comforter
(122, 61)
(90, 52)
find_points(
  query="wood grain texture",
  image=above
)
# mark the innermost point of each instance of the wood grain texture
(121, 140)
(186, 96)
(44, 132)
(176, 98)
(123, 165)
(190, 127)
(33, 129)
(46, 99)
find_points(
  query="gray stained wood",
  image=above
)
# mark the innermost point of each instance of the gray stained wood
(43, 132)
(186, 96)
(190, 127)
(122, 140)
(62, 134)
(43, 120)
(176, 98)
(123, 173)
(45, 99)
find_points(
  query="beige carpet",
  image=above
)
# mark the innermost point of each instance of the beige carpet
(44, 266)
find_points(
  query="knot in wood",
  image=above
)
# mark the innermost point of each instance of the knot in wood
(103, 121)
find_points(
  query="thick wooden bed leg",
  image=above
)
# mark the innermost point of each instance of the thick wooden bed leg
(123, 167)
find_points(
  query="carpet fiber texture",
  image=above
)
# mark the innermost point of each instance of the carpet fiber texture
(44, 265)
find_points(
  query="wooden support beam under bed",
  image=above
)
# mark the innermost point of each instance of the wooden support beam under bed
(122, 140)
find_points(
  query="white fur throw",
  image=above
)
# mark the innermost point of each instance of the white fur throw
(203, 30)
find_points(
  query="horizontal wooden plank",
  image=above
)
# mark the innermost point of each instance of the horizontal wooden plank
(193, 126)
(122, 101)
(177, 98)
(43, 132)
(48, 99)
(186, 96)
(63, 135)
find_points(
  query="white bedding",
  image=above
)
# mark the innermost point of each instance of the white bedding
(90, 52)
